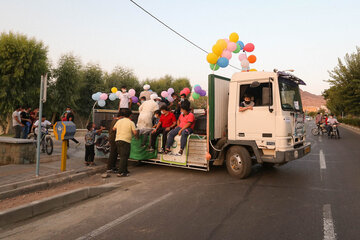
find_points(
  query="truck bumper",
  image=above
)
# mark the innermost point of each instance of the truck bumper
(286, 156)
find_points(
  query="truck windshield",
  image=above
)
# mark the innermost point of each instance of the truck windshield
(289, 95)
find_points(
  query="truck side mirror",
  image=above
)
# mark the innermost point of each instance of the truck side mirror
(270, 94)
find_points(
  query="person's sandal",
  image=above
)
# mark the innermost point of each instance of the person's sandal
(179, 153)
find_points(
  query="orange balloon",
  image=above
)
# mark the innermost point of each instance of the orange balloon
(217, 49)
(212, 58)
(253, 70)
(222, 43)
(252, 58)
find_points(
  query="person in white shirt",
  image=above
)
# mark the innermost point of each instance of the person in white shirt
(330, 122)
(16, 122)
(125, 99)
(43, 126)
(146, 113)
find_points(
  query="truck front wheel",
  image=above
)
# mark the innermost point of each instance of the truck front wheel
(238, 162)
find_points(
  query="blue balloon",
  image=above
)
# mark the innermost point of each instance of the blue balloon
(241, 44)
(112, 96)
(101, 103)
(223, 62)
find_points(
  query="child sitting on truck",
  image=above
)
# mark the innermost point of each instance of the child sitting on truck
(185, 127)
(246, 104)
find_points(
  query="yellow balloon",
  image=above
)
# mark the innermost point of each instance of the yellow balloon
(234, 37)
(114, 89)
(217, 49)
(212, 58)
(253, 70)
(222, 43)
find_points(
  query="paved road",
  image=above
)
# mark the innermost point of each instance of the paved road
(316, 197)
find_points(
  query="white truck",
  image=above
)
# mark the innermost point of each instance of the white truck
(272, 133)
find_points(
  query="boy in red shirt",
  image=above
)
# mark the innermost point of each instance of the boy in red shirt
(166, 123)
(185, 127)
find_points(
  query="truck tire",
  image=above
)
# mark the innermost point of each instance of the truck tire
(238, 162)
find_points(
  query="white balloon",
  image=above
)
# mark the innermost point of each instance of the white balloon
(101, 103)
(112, 96)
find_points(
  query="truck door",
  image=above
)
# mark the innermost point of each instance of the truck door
(259, 123)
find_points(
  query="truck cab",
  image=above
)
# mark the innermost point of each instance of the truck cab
(272, 132)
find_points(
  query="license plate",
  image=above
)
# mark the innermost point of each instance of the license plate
(307, 150)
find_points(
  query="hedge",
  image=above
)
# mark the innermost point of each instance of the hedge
(350, 121)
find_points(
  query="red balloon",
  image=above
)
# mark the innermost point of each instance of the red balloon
(249, 47)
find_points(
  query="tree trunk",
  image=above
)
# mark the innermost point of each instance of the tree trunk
(9, 123)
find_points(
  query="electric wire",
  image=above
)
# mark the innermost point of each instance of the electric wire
(174, 31)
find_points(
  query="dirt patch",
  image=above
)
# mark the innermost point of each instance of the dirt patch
(94, 180)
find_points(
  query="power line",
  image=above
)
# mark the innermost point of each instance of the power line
(174, 31)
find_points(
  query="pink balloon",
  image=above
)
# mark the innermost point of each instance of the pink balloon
(164, 94)
(227, 40)
(170, 99)
(231, 46)
(226, 54)
(132, 92)
(245, 63)
(103, 96)
(249, 47)
(242, 56)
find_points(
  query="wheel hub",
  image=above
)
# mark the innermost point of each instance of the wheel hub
(235, 162)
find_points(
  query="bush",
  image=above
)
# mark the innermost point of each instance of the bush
(350, 121)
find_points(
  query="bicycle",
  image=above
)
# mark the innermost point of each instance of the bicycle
(320, 128)
(46, 141)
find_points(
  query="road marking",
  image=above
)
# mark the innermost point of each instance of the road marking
(329, 230)
(322, 160)
(320, 138)
(123, 218)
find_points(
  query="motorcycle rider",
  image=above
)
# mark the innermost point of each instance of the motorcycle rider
(331, 121)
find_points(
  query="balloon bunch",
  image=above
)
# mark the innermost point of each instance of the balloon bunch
(198, 92)
(185, 91)
(115, 94)
(223, 49)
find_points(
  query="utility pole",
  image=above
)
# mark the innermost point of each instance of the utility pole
(43, 86)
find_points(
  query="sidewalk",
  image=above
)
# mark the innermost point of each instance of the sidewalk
(49, 165)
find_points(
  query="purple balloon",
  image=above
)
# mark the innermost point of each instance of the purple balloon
(202, 93)
(198, 89)
(134, 99)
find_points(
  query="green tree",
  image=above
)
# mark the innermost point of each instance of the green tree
(22, 62)
(164, 83)
(344, 93)
(66, 84)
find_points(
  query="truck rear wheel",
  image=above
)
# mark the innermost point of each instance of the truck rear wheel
(238, 162)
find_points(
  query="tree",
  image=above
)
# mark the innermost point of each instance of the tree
(344, 93)
(22, 62)
(66, 83)
(164, 83)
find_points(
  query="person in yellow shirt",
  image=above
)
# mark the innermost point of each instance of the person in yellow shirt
(125, 129)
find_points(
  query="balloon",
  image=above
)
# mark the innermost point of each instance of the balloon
(249, 47)
(186, 91)
(101, 103)
(241, 44)
(197, 89)
(217, 49)
(253, 70)
(222, 43)
(226, 54)
(214, 67)
(231, 46)
(134, 99)
(150, 90)
(182, 92)
(203, 93)
(238, 48)
(118, 94)
(132, 92)
(114, 89)
(94, 97)
(195, 95)
(103, 96)
(223, 62)
(112, 96)
(196, 85)
(212, 58)
(242, 56)
(164, 94)
(170, 99)
(146, 87)
(234, 37)
(226, 40)
(245, 63)
(170, 91)
(252, 58)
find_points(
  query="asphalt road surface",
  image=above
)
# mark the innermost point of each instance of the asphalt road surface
(316, 197)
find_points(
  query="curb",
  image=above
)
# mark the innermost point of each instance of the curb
(59, 201)
(19, 188)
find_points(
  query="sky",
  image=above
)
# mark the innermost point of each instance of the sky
(307, 36)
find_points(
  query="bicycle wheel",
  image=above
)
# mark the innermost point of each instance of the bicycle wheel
(315, 131)
(49, 147)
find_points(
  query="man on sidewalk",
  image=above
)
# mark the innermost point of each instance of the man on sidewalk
(16, 122)
(26, 121)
